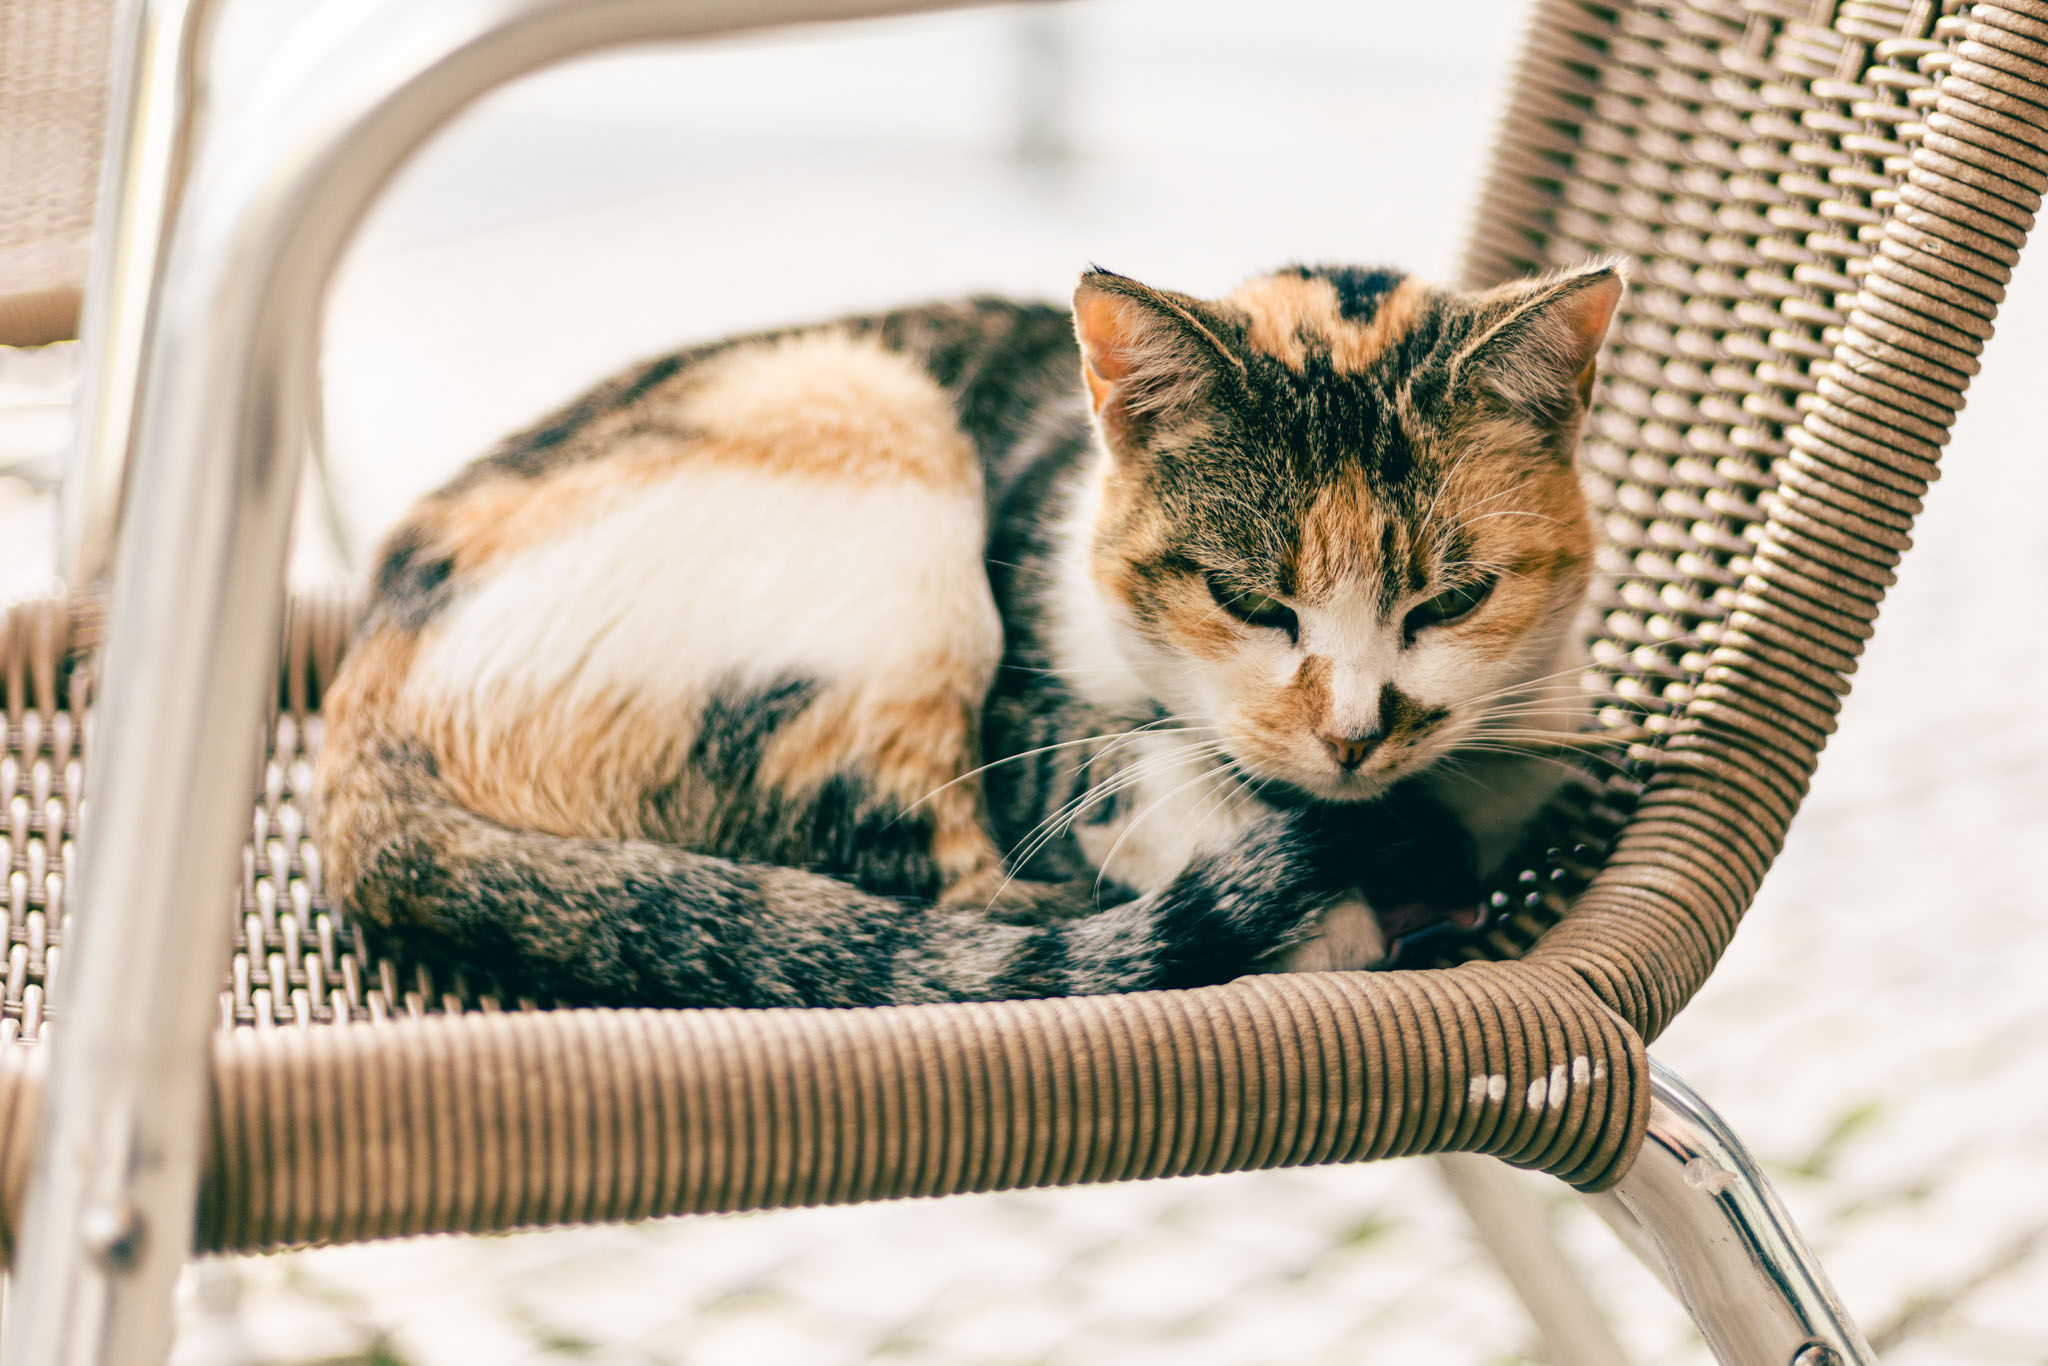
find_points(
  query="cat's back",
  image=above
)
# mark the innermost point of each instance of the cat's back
(686, 590)
(999, 363)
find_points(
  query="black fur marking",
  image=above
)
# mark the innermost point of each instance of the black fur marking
(654, 373)
(1393, 582)
(412, 586)
(681, 935)
(1360, 289)
(408, 759)
(1413, 850)
(736, 725)
(1003, 363)
(1403, 717)
(874, 844)
(542, 447)
(1041, 964)
(842, 828)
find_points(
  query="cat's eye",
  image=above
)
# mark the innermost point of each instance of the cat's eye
(1453, 604)
(1255, 608)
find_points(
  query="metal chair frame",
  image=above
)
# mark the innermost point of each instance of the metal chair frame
(203, 345)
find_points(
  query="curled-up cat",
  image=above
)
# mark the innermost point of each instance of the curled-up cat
(983, 650)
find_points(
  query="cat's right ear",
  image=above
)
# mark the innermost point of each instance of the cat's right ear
(1147, 356)
(1537, 352)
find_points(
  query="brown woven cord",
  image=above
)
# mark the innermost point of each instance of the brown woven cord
(488, 1121)
(53, 95)
(494, 1121)
(1823, 218)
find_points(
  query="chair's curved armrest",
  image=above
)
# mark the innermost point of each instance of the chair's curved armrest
(486, 1121)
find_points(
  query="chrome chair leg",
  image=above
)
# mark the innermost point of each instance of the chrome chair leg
(1711, 1226)
(1511, 1224)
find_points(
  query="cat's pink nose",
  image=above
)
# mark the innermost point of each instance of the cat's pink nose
(1350, 750)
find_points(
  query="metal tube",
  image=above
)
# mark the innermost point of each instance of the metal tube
(1757, 1294)
(154, 109)
(1511, 1225)
(198, 597)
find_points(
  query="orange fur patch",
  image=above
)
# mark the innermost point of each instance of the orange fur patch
(575, 765)
(1131, 530)
(1276, 720)
(368, 687)
(495, 519)
(1301, 705)
(1133, 533)
(1286, 315)
(1188, 614)
(831, 405)
(1529, 525)
(560, 764)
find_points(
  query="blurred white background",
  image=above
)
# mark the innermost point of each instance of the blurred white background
(1879, 1032)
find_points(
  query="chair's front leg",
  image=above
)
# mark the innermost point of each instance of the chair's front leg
(1698, 1208)
(1511, 1225)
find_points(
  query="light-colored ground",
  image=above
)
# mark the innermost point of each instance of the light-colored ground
(1879, 1031)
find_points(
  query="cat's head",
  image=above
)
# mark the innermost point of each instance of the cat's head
(1338, 518)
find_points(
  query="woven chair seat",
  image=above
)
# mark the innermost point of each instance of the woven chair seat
(1822, 214)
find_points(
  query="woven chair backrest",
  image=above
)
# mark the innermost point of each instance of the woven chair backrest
(1821, 201)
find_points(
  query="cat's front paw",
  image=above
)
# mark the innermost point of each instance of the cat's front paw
(1348, 940)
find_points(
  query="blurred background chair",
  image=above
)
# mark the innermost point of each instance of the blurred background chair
(1822, 232)
(53, 91)
(70, 74)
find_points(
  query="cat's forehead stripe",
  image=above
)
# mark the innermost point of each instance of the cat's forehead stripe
(1300, 315)
(1348, 538)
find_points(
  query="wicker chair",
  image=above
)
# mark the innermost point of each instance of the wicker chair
(1823, 198)
(52, 103)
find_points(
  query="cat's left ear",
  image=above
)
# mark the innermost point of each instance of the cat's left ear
(1538, 352)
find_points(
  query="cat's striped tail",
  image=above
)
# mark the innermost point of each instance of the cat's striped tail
(595, 922)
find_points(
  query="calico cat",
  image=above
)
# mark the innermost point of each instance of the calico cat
(983, 650)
